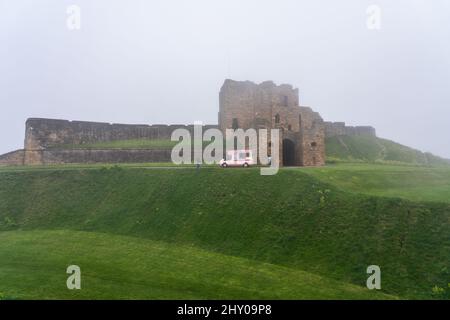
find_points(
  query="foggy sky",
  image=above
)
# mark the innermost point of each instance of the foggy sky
(164, 62)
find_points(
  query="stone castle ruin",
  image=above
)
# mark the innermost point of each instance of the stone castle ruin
(268, 106)
(242, 105)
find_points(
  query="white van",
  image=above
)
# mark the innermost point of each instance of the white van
(238, 158)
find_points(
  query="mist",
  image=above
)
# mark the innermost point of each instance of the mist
(158, 62)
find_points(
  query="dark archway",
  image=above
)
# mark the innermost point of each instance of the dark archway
(277, 118)
(288, 152)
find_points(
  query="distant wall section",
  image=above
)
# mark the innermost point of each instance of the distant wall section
(45, 133)
(48, 141)
(14, 158)
(333, 129)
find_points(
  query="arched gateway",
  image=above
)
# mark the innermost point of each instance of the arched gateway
(288, 152)
(270, 106)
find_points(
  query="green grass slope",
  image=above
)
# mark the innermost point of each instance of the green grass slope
(292, 219)
(33, 265)
(365, 148)
(409, 182)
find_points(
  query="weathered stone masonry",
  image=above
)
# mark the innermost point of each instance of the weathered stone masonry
(14, 158)
(268, 106)
(333, 129)
(44, 138)
(242, 104)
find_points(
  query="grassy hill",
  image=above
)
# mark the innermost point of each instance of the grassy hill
(365, 148)
(118, 267)
(412, 182)
(298, 222)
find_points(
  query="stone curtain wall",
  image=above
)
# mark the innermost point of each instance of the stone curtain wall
(43, 136)
(45, 133)
(333, 129)
(14, 158)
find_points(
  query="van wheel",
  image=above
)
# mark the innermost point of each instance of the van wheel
(246, 165)
(224, 165)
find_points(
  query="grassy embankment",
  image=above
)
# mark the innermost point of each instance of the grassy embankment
(160, 233)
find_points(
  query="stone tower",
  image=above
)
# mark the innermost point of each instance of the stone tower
(245, 105)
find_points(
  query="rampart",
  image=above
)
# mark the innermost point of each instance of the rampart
(14, 158)
(333, 129)
(52, 141)
(50, 133)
